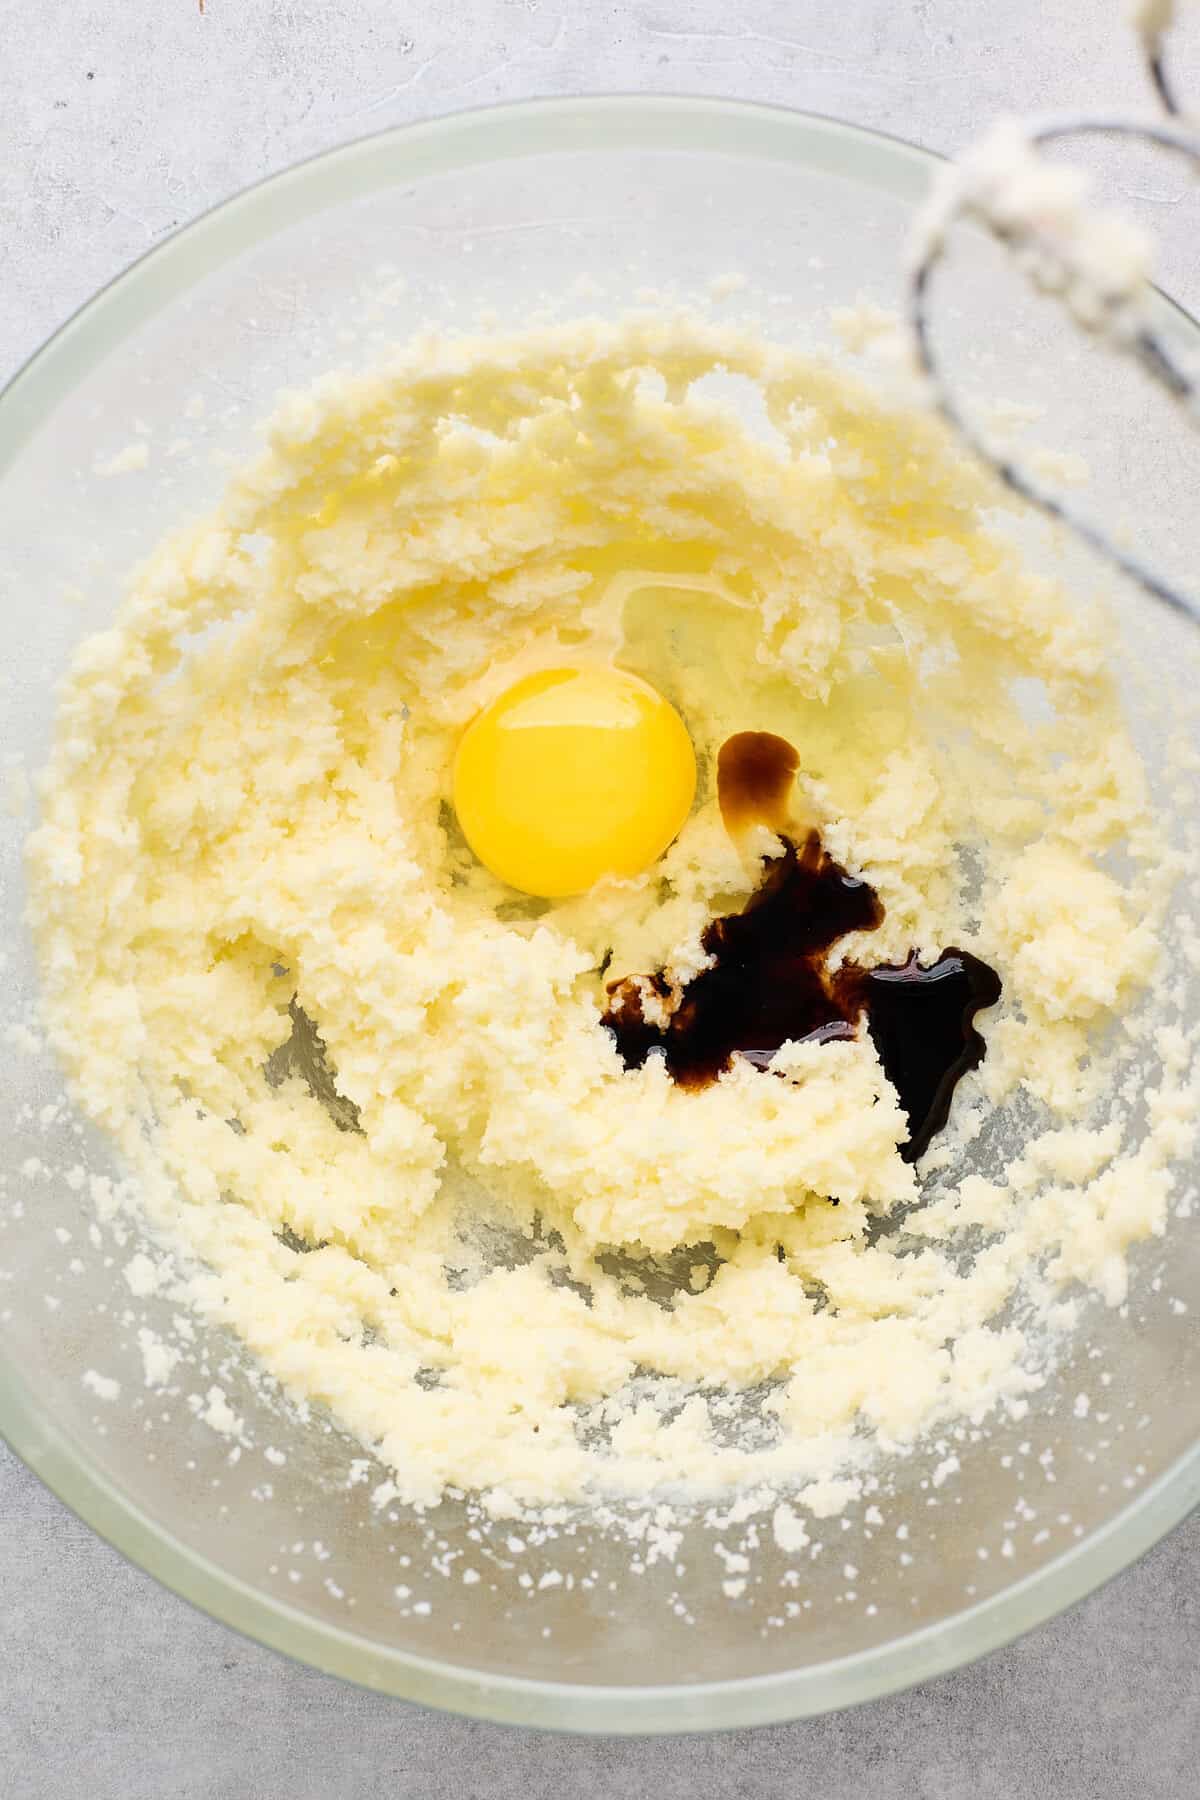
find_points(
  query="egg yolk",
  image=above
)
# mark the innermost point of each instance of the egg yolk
(570, 775)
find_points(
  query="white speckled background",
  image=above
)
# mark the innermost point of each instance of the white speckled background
(120, 119)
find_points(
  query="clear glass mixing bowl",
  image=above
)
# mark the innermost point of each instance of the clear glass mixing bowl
(583, 204)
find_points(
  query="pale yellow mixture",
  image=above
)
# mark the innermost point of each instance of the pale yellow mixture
(246, 842)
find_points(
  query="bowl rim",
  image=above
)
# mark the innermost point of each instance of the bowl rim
(436, 145)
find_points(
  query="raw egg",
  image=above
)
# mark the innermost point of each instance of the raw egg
(570, 775)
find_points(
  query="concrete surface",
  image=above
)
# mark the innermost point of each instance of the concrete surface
(118, 120)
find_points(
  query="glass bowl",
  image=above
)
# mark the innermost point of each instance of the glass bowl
(123, 424)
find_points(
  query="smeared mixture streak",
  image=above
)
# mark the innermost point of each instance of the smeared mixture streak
(370, 1092)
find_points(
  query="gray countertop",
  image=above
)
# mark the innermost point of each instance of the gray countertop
(121, 119)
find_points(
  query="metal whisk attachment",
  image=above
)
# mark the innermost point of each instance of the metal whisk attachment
(1095, 262)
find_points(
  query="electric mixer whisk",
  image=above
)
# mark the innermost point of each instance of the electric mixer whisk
(1096, 263)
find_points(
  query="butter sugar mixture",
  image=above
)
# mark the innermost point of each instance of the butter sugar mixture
(370, 1090)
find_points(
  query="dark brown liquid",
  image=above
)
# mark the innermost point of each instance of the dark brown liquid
(922, 1023)
(768, 984)
(756, 773)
